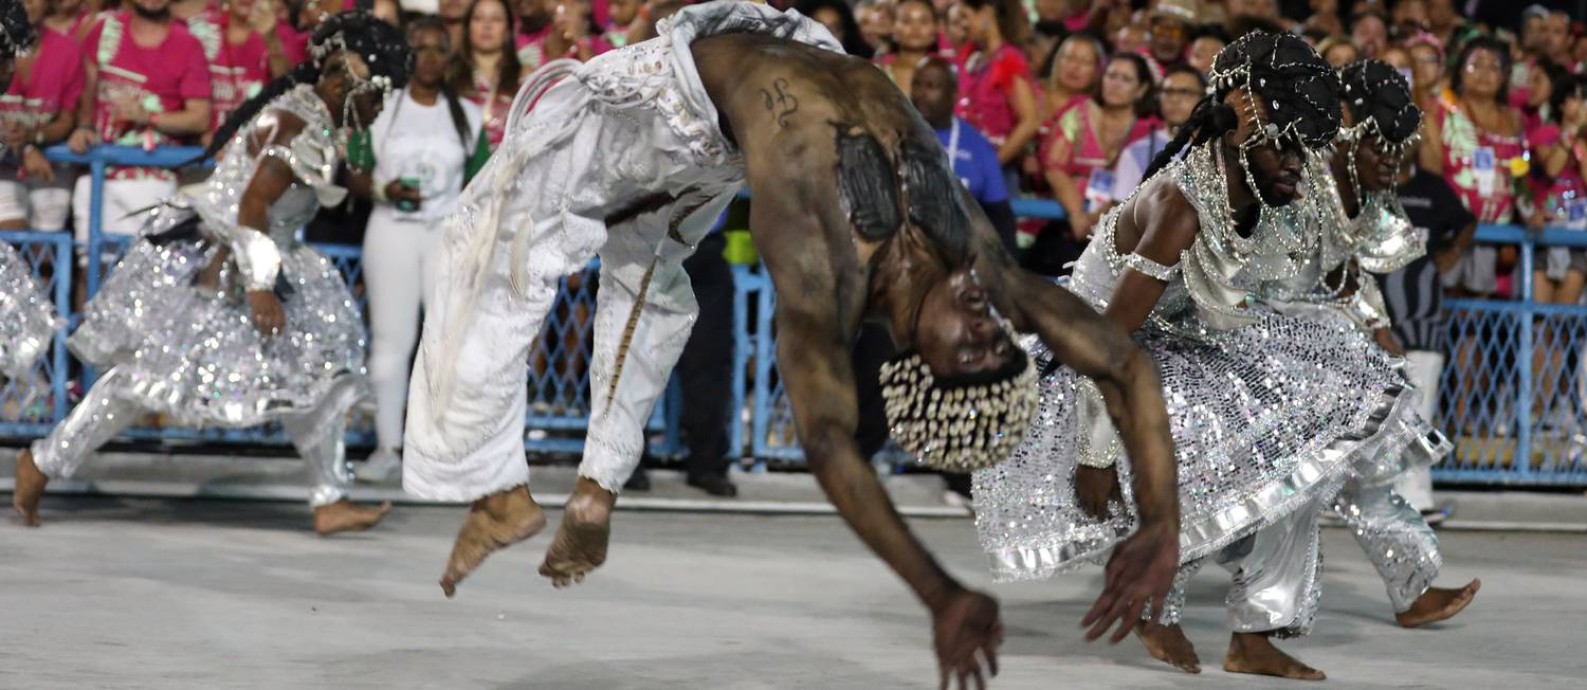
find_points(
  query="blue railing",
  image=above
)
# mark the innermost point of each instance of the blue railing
(1486, 377)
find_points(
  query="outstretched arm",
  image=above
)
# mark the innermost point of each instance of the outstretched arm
(820, 297)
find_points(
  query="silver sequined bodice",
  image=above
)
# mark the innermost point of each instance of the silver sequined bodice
(1380, 237)
(312, 155)
(1220, 269)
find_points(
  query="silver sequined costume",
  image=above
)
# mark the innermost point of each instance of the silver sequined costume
(1267, 412)
(630, 126)
(27, 315)
(1379, 239)
(193, 353)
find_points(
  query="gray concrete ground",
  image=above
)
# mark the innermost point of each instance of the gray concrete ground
(176, 594)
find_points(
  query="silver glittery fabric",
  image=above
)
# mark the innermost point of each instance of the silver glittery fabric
(1378, 239)
(1265, 417)
(27, 316)
(1394, 536)
(1276, 585)
(113, 404)
(193, 352)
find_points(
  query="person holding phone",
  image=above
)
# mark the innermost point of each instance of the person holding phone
(423, 144)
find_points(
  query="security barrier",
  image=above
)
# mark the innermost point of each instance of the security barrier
(1512, 391)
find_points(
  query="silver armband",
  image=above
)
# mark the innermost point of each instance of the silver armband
(1150, 268)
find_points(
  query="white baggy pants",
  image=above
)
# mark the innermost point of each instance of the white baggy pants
(629, 140)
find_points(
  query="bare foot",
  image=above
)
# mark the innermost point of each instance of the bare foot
(1255, 653)
(30, 486)
(347, 516)
(1168, 643)
(1438, 604)
(493, 523)
(580, 545)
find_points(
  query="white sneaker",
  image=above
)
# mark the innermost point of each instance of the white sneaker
(380, 466)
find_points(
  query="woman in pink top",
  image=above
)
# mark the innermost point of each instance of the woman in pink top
(1477, 143)
(1078, 158)
(39, 110)
(1072, 73)
(997, 94)
(1561, 194)
(486, 69)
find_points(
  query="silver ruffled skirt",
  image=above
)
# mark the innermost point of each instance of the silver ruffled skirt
(193, 353)
(27, 316)
(1266, 418)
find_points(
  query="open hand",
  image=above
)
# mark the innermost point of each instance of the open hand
(967, 632)
(1095, 487)
(1139, 576)
(268, 317)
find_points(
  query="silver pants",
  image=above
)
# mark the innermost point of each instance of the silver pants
(108, 410)
(1394, 536)
(1276, 585)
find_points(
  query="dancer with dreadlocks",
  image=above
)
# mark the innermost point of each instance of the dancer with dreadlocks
(27, 316)
(1266, 409)
(219, 318)
(1362, 227)
(858, 215)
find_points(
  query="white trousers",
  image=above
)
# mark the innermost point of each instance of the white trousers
(399, 272)
(42, 206)
(624, 160)
(1424, 368)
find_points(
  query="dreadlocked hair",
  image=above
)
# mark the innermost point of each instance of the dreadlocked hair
(1299, 89)
(381, 46)
(16, 32)
(1376, 92)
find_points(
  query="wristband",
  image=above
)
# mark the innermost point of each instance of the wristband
(258, 259)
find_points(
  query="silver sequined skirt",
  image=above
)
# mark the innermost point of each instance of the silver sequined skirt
(1265, 418)
(194, 354)
(27, 316)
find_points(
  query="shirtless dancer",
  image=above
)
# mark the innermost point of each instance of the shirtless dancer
(857, 215)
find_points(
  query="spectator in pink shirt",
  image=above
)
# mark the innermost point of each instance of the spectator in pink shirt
(38, 110)
(245, 50)
(553, 29)
(146, 84)
(997, 94)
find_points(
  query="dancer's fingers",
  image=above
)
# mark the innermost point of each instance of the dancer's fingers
(1127, 623)
(1104, 602)
(990, 654)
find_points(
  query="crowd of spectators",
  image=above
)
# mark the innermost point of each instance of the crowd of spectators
(1059, 99)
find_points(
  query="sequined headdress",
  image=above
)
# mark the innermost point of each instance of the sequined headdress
(16, 32)
(958, 424)
(1291, 94)
(1381, 105)
(381, 46)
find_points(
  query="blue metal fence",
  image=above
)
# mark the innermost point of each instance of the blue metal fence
(1512, 389)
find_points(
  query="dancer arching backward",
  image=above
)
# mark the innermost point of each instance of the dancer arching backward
(1362, 227)
(858, 216)
(1267, 410)
(27, 316)
(219, 318)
